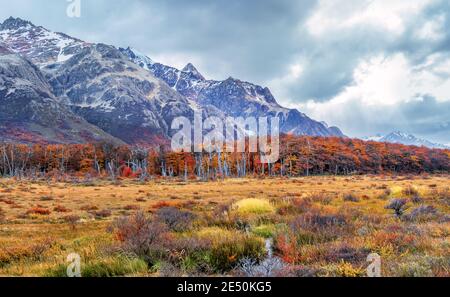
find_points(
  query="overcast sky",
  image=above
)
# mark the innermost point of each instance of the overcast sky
(367, 66)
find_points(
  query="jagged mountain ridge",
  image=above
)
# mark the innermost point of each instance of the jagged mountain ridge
(136, 100)
(233, 97)
(30, 111)
(406, 139)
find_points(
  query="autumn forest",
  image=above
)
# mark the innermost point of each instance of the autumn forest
(299, 156)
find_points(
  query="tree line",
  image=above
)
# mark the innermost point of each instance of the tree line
(299, 156)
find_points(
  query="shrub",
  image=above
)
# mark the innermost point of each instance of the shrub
(314, 221)
(168, 270)
(395, 191)
(114, 267)
(60, 208)
(175, 219)
(21, 252)
(321, 198)
(197, 264)
(302, 205)
(416, 199)
(398, 206)
(347, 254)
(296, 206)
(416, 268)
(2, 215)
(445, 219)
(101, 214)
(191, 254)
(410, 191)
(423, 212)
(216, 234)
(131, 207)
(164, 204)
(110, 267)
(265, 231)
(394, 240)
(288, 247)
(440, 266)
(89, 208)
(443, 195)
(299, 271)
(46, 198)
(140, 236)
(226, 255)
(39, 211)
(253, 206)
(351, 198)
(270, 267)
(344, 269)
(72, 221)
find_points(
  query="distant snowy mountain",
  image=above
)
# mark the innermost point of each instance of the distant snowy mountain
(407, 139)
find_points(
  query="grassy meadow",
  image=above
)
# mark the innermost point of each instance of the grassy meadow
(311, 226)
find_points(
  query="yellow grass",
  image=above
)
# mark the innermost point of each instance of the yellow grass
(33, 244)
(253, 206)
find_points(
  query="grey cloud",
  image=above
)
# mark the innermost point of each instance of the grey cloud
(332, 58)
(428, 118)
(417, 49)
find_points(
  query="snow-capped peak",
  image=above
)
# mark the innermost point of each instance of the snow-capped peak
(14, 24)
(139, 58)
(191, 69)
(377, 137)
(39, 45)
(401, 134)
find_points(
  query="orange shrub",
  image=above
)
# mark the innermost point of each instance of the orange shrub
(39, 211)
(163, 204)
(61, 208)
(288, 248)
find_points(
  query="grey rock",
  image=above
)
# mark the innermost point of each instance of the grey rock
(29, 112)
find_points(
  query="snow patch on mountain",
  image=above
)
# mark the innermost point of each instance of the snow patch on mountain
(39, 45)
(406, 139)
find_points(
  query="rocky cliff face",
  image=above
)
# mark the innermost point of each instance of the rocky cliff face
(108, 90)
(29, 112)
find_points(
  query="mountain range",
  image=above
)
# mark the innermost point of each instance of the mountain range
(406, 139)
(59, 89)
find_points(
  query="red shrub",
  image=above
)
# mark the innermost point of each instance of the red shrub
(288, 248)
(61, 208)
(39, 211)
(164, 204)
(126, 172)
